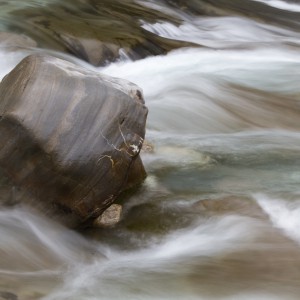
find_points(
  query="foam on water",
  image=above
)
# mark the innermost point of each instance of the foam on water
(224, 32)
(284, 213)
(261, 68)
(198, 85)
(9, 60)
(142, 274)
(23, 236)
(282, 5)
(91, 270)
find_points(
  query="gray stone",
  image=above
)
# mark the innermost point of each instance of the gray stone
(70, 137)
(110, 217)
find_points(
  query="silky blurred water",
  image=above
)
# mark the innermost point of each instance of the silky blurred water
(218, 216)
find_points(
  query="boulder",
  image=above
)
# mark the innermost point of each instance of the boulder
(70, 137)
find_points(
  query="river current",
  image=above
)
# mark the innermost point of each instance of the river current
(218, 216)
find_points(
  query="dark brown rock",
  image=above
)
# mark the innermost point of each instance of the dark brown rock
(70, 137)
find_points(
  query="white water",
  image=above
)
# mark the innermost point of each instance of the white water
(224, 32)
(224, 123)
(197, 83)
(283, 214)
(282, 5)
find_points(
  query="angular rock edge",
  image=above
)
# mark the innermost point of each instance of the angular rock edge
(70, 137)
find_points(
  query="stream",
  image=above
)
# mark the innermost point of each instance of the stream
(218, 216)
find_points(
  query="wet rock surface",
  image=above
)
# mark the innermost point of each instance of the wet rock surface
(110, 217)
(70, 137)
(97, 31)
(12, 41)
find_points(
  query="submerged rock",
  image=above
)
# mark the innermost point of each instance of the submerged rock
(95, 31)
(13, 41)
(8, 296)
(70, 137)
(237, 205)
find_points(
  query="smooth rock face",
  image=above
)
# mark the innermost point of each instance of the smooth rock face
(70, 137)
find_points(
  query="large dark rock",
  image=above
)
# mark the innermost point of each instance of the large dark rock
(70, 138)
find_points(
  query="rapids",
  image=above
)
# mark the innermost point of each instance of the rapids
(219, 215)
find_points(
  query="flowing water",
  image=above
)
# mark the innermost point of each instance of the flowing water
(219, 215)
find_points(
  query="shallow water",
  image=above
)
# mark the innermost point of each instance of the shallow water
(218, 216)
